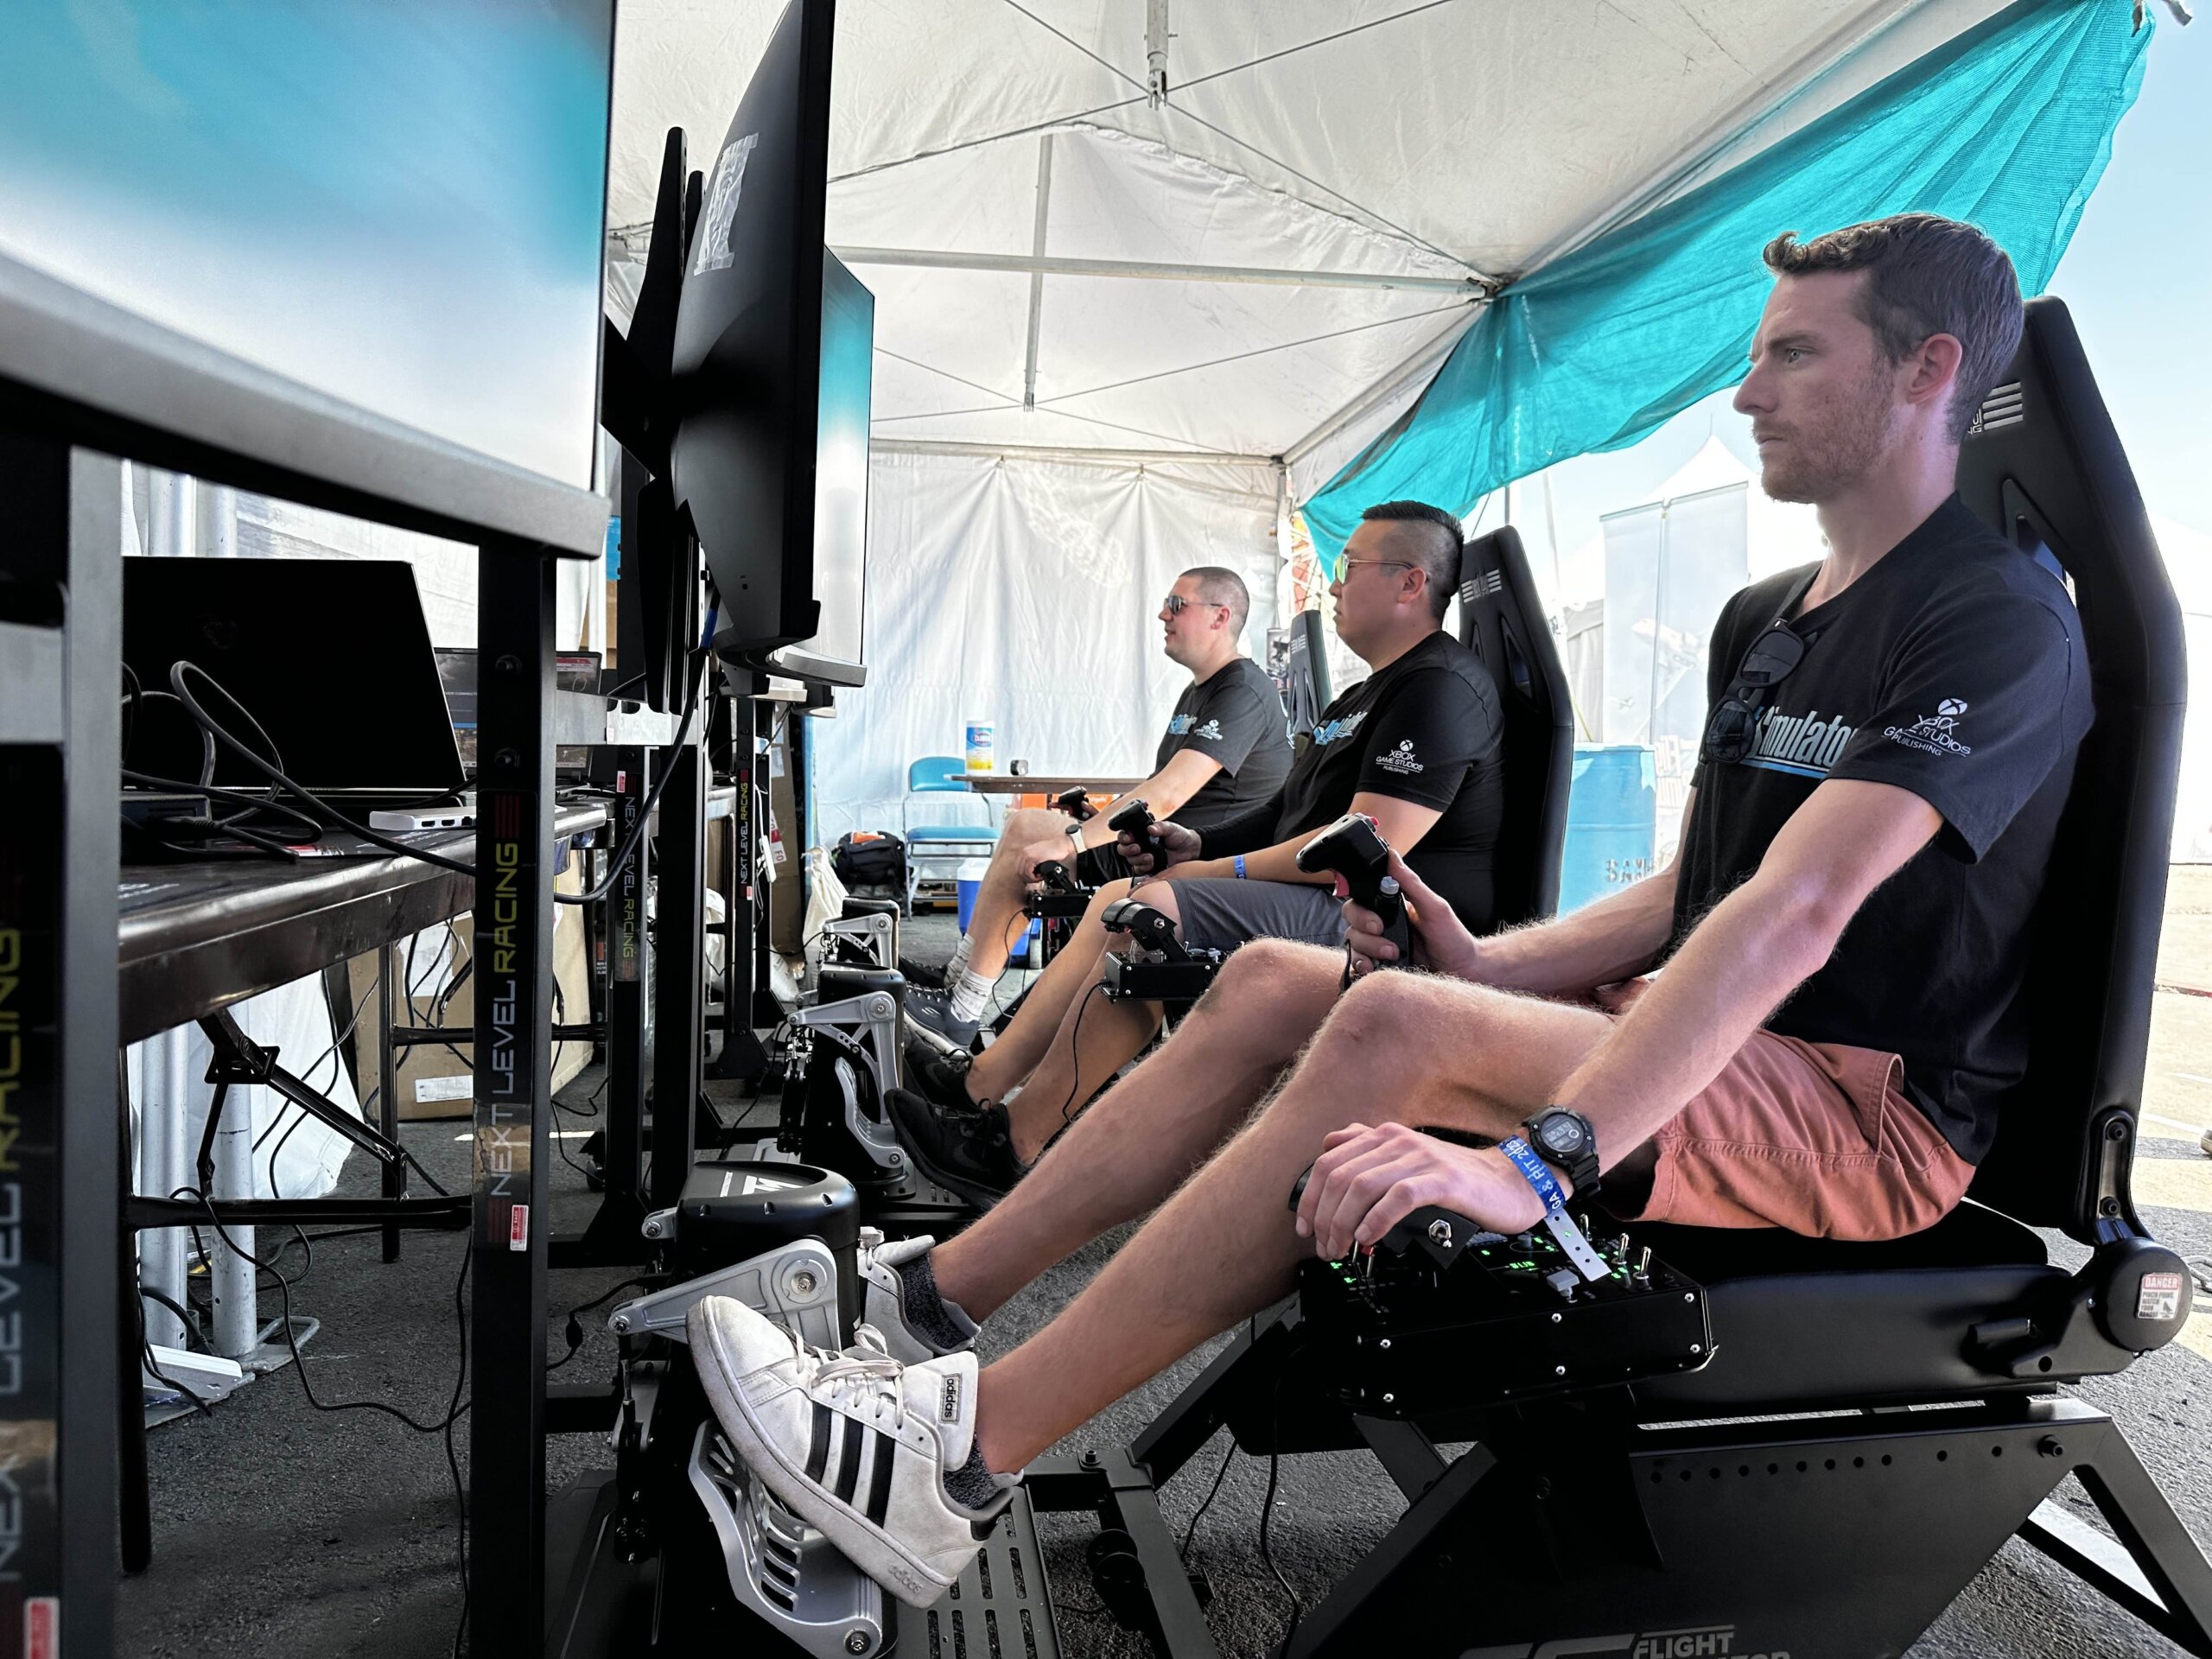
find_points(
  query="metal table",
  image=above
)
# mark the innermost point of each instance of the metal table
(999, 783)
(194, 939)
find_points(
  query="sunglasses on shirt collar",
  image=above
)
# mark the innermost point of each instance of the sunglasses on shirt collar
(1732, 732)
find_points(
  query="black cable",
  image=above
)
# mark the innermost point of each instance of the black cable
(1183, 1550)
(573, 1333)
(1267, 1506)
(1075, 1056)
(189, 1315)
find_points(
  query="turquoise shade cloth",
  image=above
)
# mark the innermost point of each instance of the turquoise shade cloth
(2009, 126)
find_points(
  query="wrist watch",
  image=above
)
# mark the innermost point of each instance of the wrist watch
(1075, 835)
(1565, 1140)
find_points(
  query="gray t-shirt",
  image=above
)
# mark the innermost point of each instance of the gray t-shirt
(1236, 718)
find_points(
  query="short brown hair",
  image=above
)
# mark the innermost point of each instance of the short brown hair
(1925, 275)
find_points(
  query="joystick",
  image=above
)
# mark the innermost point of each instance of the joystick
(1076, 802)
(1135, 821)
(1353, 847)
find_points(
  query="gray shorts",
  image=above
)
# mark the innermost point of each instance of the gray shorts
(1224, 914)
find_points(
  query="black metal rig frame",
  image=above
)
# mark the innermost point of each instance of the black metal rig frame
(81, 384)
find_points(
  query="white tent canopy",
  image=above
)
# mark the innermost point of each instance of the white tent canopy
(1148, 270)
(1031, 222)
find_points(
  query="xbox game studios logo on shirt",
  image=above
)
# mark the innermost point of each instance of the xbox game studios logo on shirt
(1932, 733)
(1399, 759)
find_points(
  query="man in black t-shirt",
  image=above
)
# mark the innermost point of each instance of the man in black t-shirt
(1415, 745)
(1845, 932)
(1226, 747)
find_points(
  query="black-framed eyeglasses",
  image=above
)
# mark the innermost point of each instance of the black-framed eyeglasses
(1346, 566)
(1733, 730)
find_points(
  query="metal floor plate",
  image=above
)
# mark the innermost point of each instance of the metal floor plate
(1001, 1608)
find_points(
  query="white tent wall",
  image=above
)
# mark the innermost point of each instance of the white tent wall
(1024, 592)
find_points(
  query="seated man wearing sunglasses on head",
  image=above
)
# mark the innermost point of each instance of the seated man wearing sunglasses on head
(1226, 749)
(1416, 746)
(1891, 742)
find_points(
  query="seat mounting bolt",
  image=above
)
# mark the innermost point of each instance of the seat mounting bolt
(2050, 1448)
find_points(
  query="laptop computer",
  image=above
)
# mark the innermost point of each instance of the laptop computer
(332, 657)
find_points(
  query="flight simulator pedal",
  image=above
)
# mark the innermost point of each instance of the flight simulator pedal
(1161, 968)
(1443, 1313)
(1353, 848)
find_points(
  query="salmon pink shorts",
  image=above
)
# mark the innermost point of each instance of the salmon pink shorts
(1815, 1137)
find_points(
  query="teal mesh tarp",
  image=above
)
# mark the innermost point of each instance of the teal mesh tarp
(2009, 126)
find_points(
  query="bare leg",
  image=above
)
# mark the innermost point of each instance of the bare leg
(1148, 1131)
(1029, 1034)
(1400, 1047)
(1098, 1037)
(999, 901)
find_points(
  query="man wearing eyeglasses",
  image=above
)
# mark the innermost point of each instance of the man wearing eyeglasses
(1225, 750)
(1415, 745)
(1844, 934)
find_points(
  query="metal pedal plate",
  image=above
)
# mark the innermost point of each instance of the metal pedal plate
(1001, 1608)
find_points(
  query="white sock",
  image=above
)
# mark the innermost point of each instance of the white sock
(971, 996)
(961, 952)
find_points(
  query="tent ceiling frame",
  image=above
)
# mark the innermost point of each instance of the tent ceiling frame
(1037, 277)
(1415, 363)
(1049, 452)
(1043, 265)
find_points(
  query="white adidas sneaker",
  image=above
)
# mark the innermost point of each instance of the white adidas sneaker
(884, 1307)
(856, 1445)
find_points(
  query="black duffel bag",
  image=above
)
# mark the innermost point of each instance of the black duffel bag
(870, 858)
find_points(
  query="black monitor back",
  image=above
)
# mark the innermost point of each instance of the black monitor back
(2045, 466)
(1503, 621)
(1307, 689)
(331, 656)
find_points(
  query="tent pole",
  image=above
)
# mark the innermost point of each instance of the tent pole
(1153, 270)
(1036, 276)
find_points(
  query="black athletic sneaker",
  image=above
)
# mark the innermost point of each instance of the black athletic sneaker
(939, 1076)
(968, 1148)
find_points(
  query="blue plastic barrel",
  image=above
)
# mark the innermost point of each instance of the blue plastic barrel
(1612, 819)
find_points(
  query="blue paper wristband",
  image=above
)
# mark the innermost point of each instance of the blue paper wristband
(1535, 1172)
(1239, 862)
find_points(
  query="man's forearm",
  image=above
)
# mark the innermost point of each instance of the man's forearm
(1615, 938)
(1736, 969)
(1248, 832)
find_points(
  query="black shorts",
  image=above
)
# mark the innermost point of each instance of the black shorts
(1224, 913)
(1099, 865)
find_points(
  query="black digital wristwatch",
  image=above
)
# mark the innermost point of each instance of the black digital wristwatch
(1566, 1141)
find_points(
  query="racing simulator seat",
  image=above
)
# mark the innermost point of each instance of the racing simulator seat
(1754, 1442)
(1502, 620)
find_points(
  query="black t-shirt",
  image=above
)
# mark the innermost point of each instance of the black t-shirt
(1233, 717)
(1954, 669)
(1425, 729)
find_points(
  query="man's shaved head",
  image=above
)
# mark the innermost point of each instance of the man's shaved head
(1219, 585)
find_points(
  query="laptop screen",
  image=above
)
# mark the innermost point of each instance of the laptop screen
(331, 657)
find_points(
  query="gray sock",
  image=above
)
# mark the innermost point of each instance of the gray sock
(972, 1485)
(927, 1312)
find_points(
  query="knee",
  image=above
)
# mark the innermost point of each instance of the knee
(1389, 1013)
(1272, 964)
(1109, 893)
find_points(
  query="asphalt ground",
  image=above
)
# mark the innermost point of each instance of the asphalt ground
(281, 1531)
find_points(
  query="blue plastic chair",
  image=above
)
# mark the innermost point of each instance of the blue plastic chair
(940, 844)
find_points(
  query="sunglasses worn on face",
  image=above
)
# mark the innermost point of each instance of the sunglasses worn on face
(1385, 564)
(1730, 734)
(1175, 604)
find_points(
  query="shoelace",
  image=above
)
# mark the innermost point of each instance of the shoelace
(863, 1374)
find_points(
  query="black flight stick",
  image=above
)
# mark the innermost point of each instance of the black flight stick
(1135, 821)
(1353, 847)
(1076, 802)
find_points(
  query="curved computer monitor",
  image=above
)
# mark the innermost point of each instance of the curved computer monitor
(769, 377)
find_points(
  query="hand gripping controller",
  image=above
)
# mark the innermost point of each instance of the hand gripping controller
(1353, 847)
(1135, 821)
(1076, 802)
